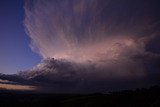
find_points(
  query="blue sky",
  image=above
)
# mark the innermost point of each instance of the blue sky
(15, 53)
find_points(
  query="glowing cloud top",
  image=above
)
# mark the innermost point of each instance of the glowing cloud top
(81, 30)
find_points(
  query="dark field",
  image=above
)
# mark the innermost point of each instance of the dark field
(127, 98)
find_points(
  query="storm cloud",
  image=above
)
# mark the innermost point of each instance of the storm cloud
(93, 45)
(83, 30)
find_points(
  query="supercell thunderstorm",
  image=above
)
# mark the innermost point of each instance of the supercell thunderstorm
(86, 45)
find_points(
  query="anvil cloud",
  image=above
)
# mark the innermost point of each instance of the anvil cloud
(91, 45)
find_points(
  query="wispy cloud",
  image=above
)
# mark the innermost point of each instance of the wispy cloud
(92, 45)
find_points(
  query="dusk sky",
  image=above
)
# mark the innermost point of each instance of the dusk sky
(15, 52)
(80, 45)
